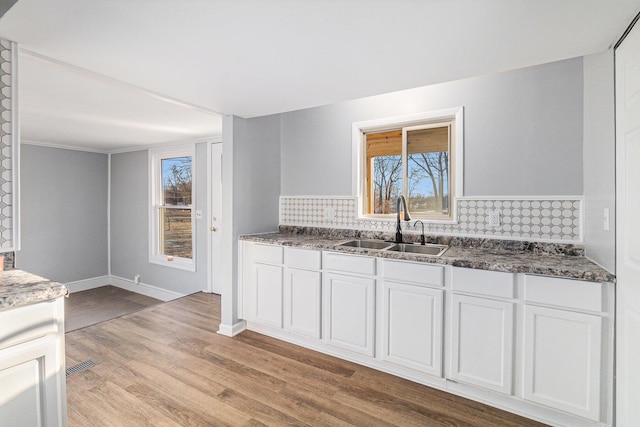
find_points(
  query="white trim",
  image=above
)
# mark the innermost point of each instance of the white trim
(214, 262)
(109, 214)
(209, 286)
(62, 146)
(574, 198)
(232, 330)
(145, 289)
(455, 114)
(154, 191)
(15, 149)
(169, 144)
(131, 149)
(86, 284)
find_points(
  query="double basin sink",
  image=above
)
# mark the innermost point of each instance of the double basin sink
(380, 245)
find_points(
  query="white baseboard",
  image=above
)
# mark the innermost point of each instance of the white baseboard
(232, 330)
(144, 289)
(86, 284)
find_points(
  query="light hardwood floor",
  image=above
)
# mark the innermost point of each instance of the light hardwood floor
(166, 366)
(93, 306)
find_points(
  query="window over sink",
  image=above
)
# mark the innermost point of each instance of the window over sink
(418, 156)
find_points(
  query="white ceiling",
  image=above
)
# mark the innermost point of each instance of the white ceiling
(258, 57)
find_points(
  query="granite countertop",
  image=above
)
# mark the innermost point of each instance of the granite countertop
(513, 257)
(18, 288)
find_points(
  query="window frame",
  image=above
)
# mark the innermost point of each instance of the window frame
(359, 129)
(155, 203)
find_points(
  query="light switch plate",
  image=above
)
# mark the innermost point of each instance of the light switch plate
(198, 214)
(605, 219)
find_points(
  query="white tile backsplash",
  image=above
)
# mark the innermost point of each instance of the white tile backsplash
(557, 219)
(6, 147)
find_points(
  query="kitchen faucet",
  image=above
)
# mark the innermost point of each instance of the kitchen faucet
(401, 202)
(415, 224)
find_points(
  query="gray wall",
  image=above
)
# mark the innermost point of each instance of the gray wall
(599, 157)
(523, 133)
(130, 225)
(251, 190)
(64, 213)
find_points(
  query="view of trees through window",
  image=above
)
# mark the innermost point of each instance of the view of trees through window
(175, 213)
(423, 177)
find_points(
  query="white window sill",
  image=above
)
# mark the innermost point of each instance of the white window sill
(176, 262)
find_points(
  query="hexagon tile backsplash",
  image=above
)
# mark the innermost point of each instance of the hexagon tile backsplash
(6, 146)
(551, 219)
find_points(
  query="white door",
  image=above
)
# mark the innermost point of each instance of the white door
(628, 229)
(215, 220)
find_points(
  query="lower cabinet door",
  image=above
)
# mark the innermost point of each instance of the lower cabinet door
(350, 312)
(412, 328)
(264, 296)
(562, 360)
(302, 300)
(32, 384)
(482, 342)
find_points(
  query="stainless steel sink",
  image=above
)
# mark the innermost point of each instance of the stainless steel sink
(367, 244)
(430, 250)
(380, 245)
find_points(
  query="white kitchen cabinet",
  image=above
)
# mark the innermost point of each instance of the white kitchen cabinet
(412, 326)
(263, 285)
(482, 328)
(539, 346)
(482, 342)
(563, 349)
(302, 301)
(350, 312)
(32, 374)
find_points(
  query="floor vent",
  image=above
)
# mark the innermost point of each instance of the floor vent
(81, 367)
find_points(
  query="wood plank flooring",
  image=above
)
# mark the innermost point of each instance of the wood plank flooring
(166, 366)
(93, 306)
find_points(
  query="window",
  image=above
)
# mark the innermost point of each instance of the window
(172, 225)
(418, 156)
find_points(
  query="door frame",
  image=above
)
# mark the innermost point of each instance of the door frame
(214, 263)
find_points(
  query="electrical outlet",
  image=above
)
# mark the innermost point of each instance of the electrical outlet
(494, 219)
(198, 214)
(136, 279)
(329, 213)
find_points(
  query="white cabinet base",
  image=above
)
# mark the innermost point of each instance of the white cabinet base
(32, 373)
(412, 327)
(562, 360)
(350, 312)
(482, 342)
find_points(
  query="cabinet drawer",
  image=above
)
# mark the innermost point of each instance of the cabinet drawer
(414, 272)
(267, 253)
(563, 292)
(350, 263)
(483, 282)
(29, 322)
(303, 258)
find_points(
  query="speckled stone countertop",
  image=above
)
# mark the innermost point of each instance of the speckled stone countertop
(546, 259)
(18, 288)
